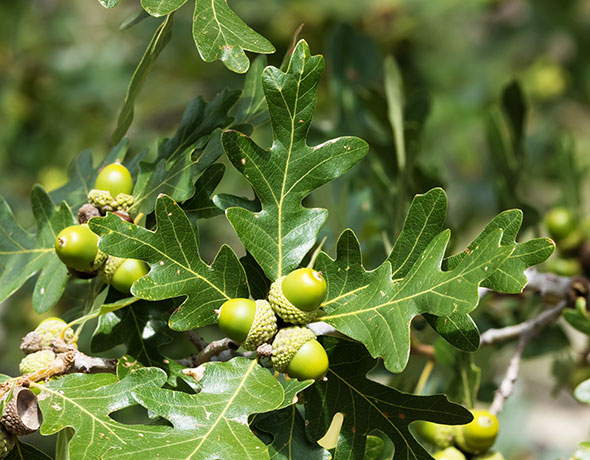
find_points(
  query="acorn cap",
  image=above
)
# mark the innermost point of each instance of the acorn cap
(51, 329)
(36, 361)
(108, 269)
(285, 309)
(101, 199)
(6, 443)
(287, 343)
(22, 414)
(263, 328)
(123, 202)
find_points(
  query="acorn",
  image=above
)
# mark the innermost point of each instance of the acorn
(480, 434)
(436, 434)
(297, 296)
(6, 443)
(51, 329)
(296, 352)
(248, 322)
(36, 361)
(108, 269)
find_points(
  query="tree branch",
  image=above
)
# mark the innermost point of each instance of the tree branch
(213, 349)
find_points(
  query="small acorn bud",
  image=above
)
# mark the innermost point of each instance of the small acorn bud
(36, 361)
(6, 443)
(51, 329)
(450, 453)
(296, 352)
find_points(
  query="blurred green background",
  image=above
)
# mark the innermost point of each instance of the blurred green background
(65, 66)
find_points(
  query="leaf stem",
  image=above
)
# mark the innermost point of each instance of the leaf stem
(424, 376)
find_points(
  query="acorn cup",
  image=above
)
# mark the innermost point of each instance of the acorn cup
(248, 322)
(22, 415)
(51, 329)
(296, 352)
(36, 361)
(296, 297)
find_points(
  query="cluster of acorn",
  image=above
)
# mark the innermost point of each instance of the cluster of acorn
(473, 440)
(22, 415)
(77, 245)
(296, 299)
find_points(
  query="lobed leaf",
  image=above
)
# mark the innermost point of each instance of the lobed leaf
(214, 422)
(161, 7)
(172, 251)
(282, 232)
(221, 35)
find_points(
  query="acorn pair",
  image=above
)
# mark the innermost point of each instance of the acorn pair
(475, 438)
(295, 298)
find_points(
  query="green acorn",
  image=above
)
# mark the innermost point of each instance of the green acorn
(489, 455)
(36, 361)
(436, 434)
(6, 443)
(249, 322)
(296, 352)
(296, 297)
(109, 268)
(450, 453)
(51, 328)
(479, 435)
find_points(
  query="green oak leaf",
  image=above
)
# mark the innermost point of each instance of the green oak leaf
(157, 44)
(172, 251)
(458, 329)
(141, 327)
(201, 205)
(425, 220)
(213, 423)
(22, 451)
(280, 235)
(109, 3)
(287, 429)
(251, 107)
(369, 406)
(376, 310)
(182, 158)
(159, 8)
(83, 174)
(23, 254)
(84, 402)
(221, 35)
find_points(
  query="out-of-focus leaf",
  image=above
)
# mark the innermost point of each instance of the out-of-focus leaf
(23, 254)
(251, 107)
(395, 102)
(578, 320)
(221, 35)
(155, 47)
(109, 3)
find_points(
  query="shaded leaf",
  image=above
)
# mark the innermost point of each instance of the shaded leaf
(369, 406)
(172, 251)
(578, 320)
(289, 442)
(24, 451)
(258, 283)
(157, 44)
(221, 35)
(109, 3)
(251, 107)
(458, 329)
(395, 102)
(280, 235)
(24, 254)
(201, 206)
